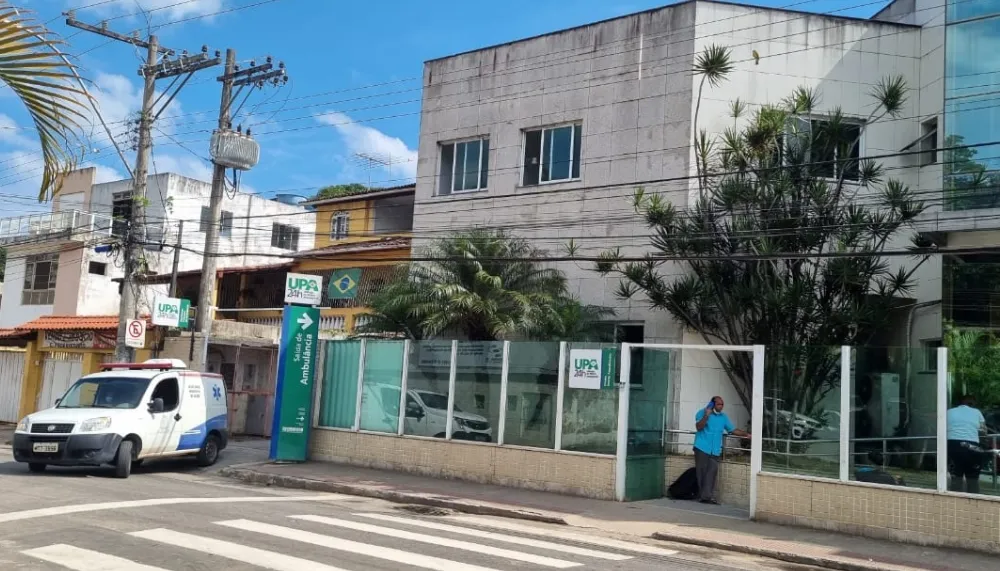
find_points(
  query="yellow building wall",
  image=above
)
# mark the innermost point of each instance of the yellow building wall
(360, 225)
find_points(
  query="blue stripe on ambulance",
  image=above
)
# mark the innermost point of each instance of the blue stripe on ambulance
(195, 438)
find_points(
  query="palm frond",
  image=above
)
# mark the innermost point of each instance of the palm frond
(32, 65)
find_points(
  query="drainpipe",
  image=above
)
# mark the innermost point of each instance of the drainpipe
(909, 361)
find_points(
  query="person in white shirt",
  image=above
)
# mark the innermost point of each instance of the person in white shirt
(965, 425)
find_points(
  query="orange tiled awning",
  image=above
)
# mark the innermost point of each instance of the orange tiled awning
(70, 322)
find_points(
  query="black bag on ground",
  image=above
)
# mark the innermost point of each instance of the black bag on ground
(685, 487)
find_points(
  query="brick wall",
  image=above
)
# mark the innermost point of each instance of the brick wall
(732, 488)
(567, 473)
(898, 514)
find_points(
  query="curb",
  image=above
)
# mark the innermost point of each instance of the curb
(459, 505)
(824, 562)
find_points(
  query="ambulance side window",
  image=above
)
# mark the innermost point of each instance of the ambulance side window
(169, 391)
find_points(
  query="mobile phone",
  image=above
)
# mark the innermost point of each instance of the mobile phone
(711, 403)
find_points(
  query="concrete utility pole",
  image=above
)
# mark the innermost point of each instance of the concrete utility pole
(134, 241)
(229, 149)
(206, 291)
(177, 259)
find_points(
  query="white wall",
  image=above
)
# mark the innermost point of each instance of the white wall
(12, 313)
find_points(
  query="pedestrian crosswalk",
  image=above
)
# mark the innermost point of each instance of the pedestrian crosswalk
(348, 542)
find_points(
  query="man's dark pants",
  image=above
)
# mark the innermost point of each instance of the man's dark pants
(707, 468)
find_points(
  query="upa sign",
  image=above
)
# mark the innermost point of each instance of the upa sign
(167, 311)
(592, 368)
(303, 289)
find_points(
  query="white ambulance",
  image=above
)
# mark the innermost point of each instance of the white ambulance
(126, 414)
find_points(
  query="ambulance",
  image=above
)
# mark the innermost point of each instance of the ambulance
(126, 414)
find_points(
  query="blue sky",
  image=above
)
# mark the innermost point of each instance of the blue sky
(355, 70)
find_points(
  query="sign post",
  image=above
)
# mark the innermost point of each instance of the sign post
(296, 368)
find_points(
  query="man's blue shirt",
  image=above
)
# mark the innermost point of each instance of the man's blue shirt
(709, 438)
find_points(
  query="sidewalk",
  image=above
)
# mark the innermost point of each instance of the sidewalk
(684, 522)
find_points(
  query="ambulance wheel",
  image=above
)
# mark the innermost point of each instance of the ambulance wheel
(123, 464)
(209, 453)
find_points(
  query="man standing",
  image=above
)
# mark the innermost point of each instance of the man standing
(965, 424)
(712, 425)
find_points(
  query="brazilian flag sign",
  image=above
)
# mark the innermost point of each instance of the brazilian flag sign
(344, 284)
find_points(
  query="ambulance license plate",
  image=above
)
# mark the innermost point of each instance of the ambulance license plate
(45, 447)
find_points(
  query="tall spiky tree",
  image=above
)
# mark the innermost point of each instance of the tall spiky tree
(42, 78)
(777, 249)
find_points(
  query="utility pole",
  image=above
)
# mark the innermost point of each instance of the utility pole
(134, 241)
(206, 291)
(177, 259)
(229, 149)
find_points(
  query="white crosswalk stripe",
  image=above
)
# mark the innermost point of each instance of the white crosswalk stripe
(441, 541)
(377, 551)
(86, 560)
(452, 543)
(572, 550)
(565, 535)
(234, 551)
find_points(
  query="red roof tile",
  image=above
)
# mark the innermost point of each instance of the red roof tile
(388, 243)
(67, 322)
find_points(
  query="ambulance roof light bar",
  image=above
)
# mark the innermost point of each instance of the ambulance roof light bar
(149, 365)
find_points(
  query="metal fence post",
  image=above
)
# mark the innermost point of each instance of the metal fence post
(504, 372)
(757, 422)
(845, 413)
(621, 450)
(560, 394)
(402, 388)
(452, 372)
(942, 419)
(359, 395)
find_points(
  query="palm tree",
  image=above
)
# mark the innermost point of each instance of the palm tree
(482, 285)
(38, 74)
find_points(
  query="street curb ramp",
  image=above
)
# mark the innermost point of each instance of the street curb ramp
(788, 557)
(465, 506)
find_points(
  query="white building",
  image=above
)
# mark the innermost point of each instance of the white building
(54, 269)
(615, 100)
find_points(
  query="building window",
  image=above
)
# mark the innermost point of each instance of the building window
(226, 222)
(339, 225)
(40, 280)
(464, 166)
(97, 268)
(925, 147)
(552, 154)
(837, 153)
(121, 212)
(284, 237)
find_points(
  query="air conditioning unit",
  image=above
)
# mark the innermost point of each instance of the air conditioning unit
(234, 150)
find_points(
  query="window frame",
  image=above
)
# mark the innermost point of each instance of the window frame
(103, 266)
(577, 126)
(335, 231)
(205, 220)
(483, 141)
(29, 294)
(278, 229)
(811, 120)
(180, 393)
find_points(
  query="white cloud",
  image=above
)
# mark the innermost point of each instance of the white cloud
(368, 140)
(184, 165)
(161, 10)
(105, 173)
(12, 134)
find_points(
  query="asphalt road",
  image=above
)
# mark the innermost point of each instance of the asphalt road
(175, 517)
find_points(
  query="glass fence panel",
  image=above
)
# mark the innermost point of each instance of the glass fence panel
(380, 385)
(479, 369)
(339, 392)
(974, 411)
(590, 416)
(532, 385)
(801, 424)
(894, 416)
(427, 389)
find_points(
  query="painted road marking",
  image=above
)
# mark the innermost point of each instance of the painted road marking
(500, 537)
(441, 541)
(234, 551)
(376, 551)
(565, 535)
(85, 560)
(83, 508)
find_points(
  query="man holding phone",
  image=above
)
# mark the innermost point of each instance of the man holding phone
(712, 425)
